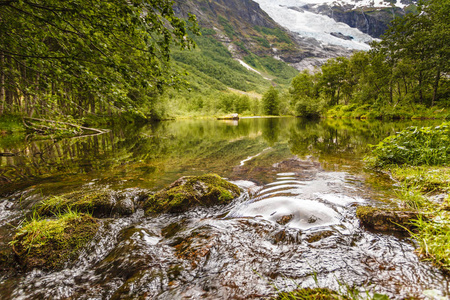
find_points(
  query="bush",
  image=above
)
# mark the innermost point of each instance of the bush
(271, 102)
(308, 107)
(414, 146)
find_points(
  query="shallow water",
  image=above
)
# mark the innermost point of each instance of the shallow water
(295, 221)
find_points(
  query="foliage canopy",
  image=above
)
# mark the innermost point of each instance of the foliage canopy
(78, 56)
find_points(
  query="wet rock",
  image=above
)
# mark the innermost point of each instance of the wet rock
(285, 219)
(195, 247)
(47, 244)
(317, 236)
(7, 262)
(101, 203)
(386, 219)
(286, 236)
(190, 191)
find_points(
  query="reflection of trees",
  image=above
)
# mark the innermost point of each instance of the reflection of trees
(349, 138)
(271, 130)
(164, 151)
(127, 152)
(80, 155)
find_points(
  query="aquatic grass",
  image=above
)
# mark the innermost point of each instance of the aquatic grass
(419, 159)
(433, 237)
(412, 197)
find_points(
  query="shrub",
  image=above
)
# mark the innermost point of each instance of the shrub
(414, 146)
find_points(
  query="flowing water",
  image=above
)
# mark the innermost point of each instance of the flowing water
(293, 226)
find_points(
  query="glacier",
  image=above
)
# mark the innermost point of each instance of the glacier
(289, 14)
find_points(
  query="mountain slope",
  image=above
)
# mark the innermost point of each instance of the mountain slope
(249, 33)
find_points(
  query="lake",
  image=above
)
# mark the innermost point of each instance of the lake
(293, 226)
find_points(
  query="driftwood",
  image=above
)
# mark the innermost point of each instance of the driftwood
(42, 128)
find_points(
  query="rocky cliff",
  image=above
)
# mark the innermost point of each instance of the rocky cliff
(373, 21)
(247, 30)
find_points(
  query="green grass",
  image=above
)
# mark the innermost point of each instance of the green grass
(11, 123)
(434, 239)
(418, 159)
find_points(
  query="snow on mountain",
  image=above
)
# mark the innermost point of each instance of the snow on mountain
(291, 15)
(354, 3)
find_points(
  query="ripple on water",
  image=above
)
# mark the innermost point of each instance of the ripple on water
(264, 239)
(303, 214)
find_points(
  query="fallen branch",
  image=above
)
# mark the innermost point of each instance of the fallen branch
(7, 154)
(69, 124)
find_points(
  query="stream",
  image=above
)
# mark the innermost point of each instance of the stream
(293, 226)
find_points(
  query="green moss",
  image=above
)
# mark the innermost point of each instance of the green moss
(191, 191)
(309, 293)
(102, 203)
(47, 244)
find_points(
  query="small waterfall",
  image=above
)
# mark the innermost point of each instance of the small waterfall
(367, 21)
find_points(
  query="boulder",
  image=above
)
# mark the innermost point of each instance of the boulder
(190, 191)
(100, 203)
(386, 219)
(47, 244)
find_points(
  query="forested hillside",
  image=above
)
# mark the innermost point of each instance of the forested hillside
(404, 75)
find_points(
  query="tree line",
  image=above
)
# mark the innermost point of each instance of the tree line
(408, 69)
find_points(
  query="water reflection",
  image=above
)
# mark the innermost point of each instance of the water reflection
(156, 154)
(295, 218)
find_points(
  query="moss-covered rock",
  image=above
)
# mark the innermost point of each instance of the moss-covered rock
(101, 203)
(311, 293)
(386, 219)
(47, 244)
(190, 191)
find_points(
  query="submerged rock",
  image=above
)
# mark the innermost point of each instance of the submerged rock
(386, 219)
(47, 244)
(190, 191)
(310, 293)
(101, 203)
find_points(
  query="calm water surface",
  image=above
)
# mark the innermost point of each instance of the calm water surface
(295, 221)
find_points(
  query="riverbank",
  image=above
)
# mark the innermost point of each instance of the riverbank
(355, 111)
(418, 160)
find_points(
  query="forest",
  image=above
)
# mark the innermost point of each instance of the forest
(406, 74)
(80, 57)
(84, 62)
(123, 174)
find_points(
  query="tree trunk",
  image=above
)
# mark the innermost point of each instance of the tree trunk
(436, 86)
(2, 82)
(92, 102)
